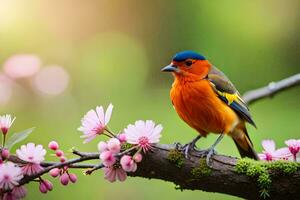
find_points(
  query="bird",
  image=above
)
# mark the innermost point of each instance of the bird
(207, 101)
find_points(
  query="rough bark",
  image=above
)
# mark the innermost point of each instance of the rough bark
(223, 177)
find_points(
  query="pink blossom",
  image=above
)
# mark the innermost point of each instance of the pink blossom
(10, 174)
(19, 192)
(9, 196)
(294, 147)
(5, 123)
(95, 122)
(32, 154)
(31, 168)
(143, 134)
(114, 145)
(107, 158)
(114, 173)
(128, 163)
(270, 153)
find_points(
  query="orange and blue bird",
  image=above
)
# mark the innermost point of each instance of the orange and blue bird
(208, 102)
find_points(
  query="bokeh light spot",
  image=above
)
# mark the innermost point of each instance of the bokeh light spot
(51, 80)
(22, 65)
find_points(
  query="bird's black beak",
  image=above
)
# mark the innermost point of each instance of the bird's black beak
(170, 68)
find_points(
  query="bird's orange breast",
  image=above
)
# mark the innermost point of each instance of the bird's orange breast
(198, 105)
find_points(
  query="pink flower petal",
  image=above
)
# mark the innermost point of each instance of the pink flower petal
(268, 145)
(293, 142)
(108, 113)
(114, 145)
(102, 146)
(110, 174)
(100, 113)
(262, 156)
(283, 153)
(121, 175)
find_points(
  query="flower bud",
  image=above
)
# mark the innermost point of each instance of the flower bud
(59, 153)
(43, 188)
(53, 145)
(64, 179)
(138, 157)
(4, 130)
(48, 185)
(54, 172)
(62, 159)
(4, 153)
(73, 178)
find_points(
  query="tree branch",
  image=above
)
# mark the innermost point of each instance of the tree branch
(272, 89)
(222, 177)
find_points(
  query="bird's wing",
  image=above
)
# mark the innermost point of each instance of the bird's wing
(229, 94)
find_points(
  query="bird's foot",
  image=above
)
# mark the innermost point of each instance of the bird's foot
(208, 153)
(178, 146)
(211, 151)
(189, 147)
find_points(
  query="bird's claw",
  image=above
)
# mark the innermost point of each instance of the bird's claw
(187, 148)
(208, 158)
(209, 153)
(177, 145)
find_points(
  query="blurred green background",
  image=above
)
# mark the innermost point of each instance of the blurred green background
(112, 51)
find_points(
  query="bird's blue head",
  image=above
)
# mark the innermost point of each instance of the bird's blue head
(184, 55)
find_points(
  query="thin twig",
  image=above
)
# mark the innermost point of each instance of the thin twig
(272, 89)
(96, 167)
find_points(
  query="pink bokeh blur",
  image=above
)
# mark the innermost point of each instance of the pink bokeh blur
(22, 65)
(51, 80)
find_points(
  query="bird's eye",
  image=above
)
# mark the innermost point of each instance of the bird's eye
(188, 63)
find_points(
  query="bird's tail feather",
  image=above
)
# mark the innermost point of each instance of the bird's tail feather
(243, 142)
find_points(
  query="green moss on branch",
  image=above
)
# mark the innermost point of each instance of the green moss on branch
(261, 171)
(176, 157)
